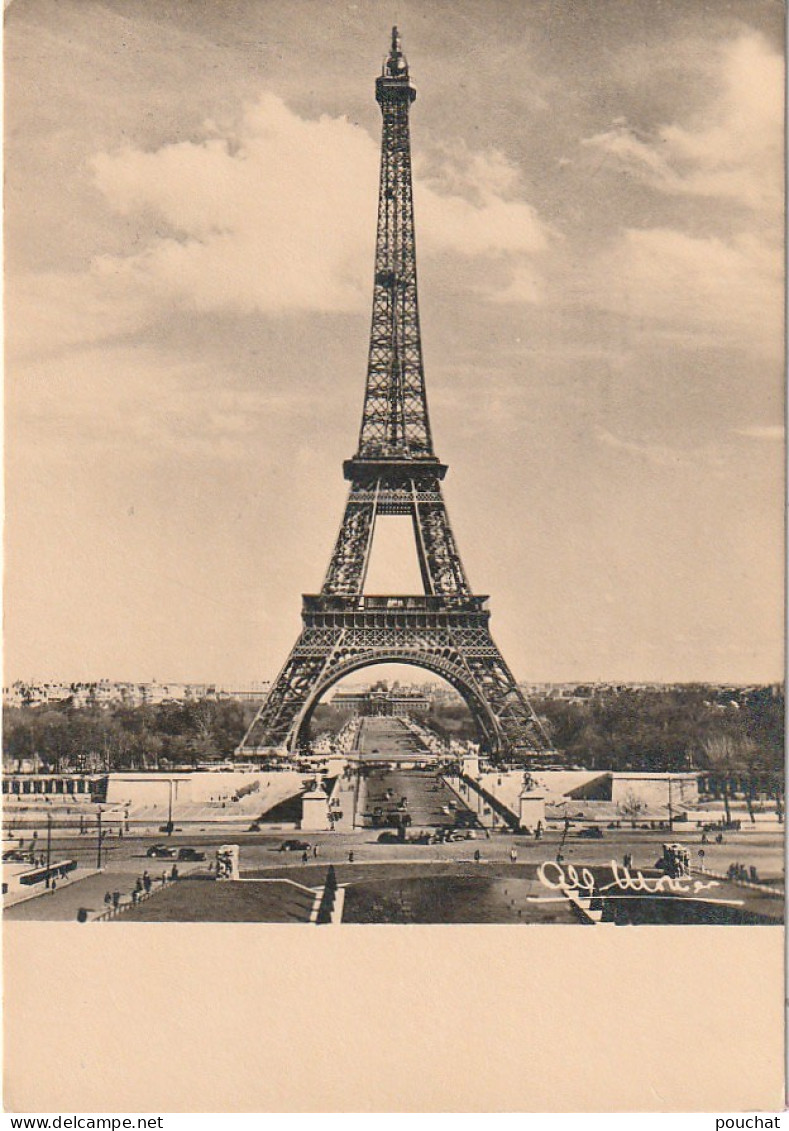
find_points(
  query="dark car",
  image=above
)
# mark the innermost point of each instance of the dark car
(160, 850)
(294, 846)
(592, 833)
(190, 854)
(422, 838)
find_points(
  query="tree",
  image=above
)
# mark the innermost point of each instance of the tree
(723, 756)
(631, 806)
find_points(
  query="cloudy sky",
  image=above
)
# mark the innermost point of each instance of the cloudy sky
(191, 194)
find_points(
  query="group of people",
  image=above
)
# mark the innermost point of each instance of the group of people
(743, 872)
(143, 885)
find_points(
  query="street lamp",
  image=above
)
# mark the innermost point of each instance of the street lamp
(670, 807)
(170, 809)
(48, 881)
(98, 846)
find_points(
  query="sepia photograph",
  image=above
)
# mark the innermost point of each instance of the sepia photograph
(254, 672)
(394, 542)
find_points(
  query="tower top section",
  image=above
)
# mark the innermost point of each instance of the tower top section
(393, 83)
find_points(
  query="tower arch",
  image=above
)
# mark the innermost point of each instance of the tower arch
(487, 728)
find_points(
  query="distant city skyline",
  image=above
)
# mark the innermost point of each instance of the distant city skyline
(353, 681)
(190, 225)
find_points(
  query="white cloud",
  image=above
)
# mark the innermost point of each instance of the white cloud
(732, 149)
(722, 291)
(275, 216)
(276, 219)
(281, 217)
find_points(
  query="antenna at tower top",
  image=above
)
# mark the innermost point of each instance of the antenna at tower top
(395, 64)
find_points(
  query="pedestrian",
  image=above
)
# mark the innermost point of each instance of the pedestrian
(513, 856)
(477, 855)
(174, 872)
(350, 857)
(138, 886)
(315, 850)
(107, 899)
(163, 878)
(116, 900)
(135, 895)
(305, 856)
(754, 874)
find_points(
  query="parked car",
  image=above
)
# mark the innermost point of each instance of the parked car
(160, 850)
(594, 832)
(190, 854)
(295, 846)
(422, 838)
(389, 838)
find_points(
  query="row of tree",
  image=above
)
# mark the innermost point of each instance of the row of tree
(671, 729)
(64, 738)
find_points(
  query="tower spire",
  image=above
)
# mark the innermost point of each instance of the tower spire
(396, 64)
(395, 422)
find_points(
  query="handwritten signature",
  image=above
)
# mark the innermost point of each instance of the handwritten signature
(567, 878)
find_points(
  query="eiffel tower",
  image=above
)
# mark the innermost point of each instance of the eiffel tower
(395, 472)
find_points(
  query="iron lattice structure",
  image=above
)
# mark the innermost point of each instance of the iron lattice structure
(395, 472)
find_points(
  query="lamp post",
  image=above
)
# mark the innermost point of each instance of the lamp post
(170, 810)
(48, 881)
(670, 807)
(98, 845)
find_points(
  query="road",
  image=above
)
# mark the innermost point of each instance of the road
(390, 739)
(260, 856)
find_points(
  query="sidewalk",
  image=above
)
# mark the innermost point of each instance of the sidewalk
(67, 900)
(87, 893)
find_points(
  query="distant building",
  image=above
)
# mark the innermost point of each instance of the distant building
(105, 692)
(381, 700)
